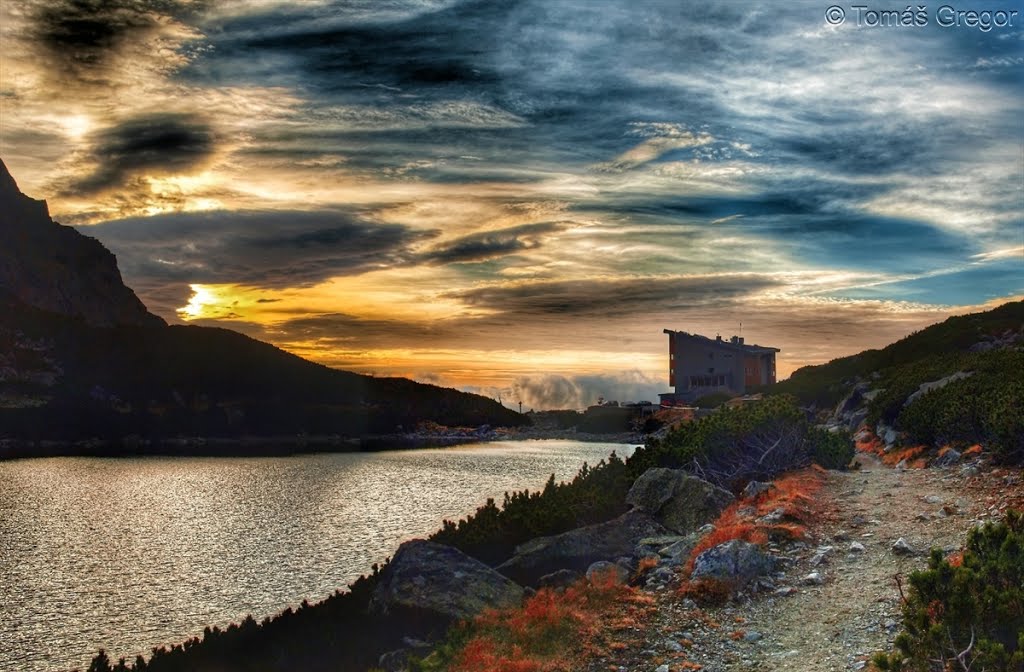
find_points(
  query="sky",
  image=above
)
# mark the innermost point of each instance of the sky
(517, 197)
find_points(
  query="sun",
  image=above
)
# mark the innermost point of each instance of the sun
(200, 299)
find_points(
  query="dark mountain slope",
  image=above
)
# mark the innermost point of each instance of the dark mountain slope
(959, 384)
(80, 358)
(940, 345)
(56, 268)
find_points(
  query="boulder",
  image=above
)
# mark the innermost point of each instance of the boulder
(434, 583)
(852, 400)
(734, 561)
(947, 459)
(578, 549)
(678, 500)
(678, 552)
(653, 545)
(901, 547)
(886, 433)
(856, 418)
(935, 385)
(563, 578)
(602, 571)
(755, 488)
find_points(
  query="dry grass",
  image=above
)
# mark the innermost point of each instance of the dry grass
(868, 442)
(792, 496)
(909, 454)
(554, 630)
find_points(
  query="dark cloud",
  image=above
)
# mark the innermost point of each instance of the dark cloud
(490, 244)
(447, 49)
(263, 249)
(81, 38)
(340, 329)
(613, 298)
(159, 143)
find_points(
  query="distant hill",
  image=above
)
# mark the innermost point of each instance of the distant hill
(81, 359)
(942, 344)
(957, 384)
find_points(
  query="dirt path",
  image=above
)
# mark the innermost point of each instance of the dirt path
(855, 612)
(837, 624)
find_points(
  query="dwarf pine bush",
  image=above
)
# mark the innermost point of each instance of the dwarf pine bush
(966, 615)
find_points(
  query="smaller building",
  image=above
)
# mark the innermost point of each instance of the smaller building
(699, 365)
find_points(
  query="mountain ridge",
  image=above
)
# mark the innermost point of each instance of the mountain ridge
(83, 363)
(57, 268)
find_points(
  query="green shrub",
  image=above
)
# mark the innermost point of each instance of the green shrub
(986, 408)
(713, 400)
(974, 611)
(754, 441)
(936, 346)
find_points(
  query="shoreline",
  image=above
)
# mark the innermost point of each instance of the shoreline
(281, 446)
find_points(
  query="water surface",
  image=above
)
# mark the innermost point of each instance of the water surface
(132, 553)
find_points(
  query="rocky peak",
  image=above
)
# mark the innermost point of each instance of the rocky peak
(56, 268)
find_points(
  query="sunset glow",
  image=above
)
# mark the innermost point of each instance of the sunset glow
(496, 195)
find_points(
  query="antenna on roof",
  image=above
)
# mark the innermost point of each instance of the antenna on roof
(741, 328)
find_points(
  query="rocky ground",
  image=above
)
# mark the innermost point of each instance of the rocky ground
(836, 599)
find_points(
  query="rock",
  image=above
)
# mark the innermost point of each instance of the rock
(856, 418)
(785, 591)
(901, 547)
(936, 384)
(660, 576)
(947, 459)
(602, 571)
(814, 579)
(856, 547)
(678, 500)
(886, 433)
(821, 555)
(653, 545)
(969, 470)
(563, 578)
(752, 636)
(933, 499)
(852, 400)
(734, 560)
(398, 660)
(435, 584)
(773, 517)
(578, 549)
(672, 645)
(662, 668)
(676, 553)
(755, 488)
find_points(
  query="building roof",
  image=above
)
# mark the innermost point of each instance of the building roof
(735, 343)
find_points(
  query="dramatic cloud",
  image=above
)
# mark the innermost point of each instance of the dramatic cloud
(490, 191)
(490, 244)
(158, 144)
(614, 298)
(271, 249)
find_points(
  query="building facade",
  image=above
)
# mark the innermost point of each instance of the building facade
(699, 365)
